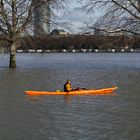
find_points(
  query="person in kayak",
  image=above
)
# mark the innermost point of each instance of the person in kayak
(68, 87)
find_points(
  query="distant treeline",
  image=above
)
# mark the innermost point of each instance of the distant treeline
(77, 42)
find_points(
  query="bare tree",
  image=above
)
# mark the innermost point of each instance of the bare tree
(123, 14)
(17, 19)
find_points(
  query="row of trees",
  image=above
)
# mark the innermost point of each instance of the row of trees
(79, 42)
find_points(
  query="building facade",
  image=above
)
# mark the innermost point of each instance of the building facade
(41, 18)
(58, 32)
(108, 32)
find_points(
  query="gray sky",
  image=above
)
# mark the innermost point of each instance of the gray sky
(77, 17)
(73, 16)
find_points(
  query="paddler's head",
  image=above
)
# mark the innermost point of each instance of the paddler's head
(68, 81)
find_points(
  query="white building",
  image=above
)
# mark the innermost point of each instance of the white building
(58, 32)
(108, 32)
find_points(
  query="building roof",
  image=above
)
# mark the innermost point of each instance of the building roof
(58, 32)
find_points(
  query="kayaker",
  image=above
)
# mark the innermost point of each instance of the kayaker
(67, 86)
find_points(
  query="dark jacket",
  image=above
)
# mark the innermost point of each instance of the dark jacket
(67, 87)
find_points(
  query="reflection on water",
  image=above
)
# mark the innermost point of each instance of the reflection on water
(70, 117)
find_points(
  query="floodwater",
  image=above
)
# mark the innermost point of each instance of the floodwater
(70, 117)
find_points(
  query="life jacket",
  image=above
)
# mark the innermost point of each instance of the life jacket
(67, 87)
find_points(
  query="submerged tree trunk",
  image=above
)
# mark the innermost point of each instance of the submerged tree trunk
(12, 63)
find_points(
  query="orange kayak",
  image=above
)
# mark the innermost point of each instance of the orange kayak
(103, 91)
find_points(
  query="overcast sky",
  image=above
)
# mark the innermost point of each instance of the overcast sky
(76, 17)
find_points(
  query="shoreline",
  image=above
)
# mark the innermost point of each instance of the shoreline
(79, 51)
(74, 51)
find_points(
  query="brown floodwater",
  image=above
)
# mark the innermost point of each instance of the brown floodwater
(70, 117)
